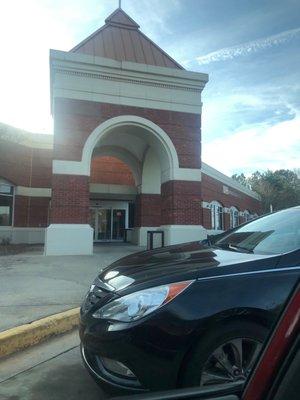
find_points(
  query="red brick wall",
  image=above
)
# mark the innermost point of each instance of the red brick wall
(110, 170)
(31, 211)
(212, 189)
(181, 203)
(29, 167)
(21, 211)
(226, 217)
(206, 218)
(15, 163)
(24, 166)
(41, 168)
(147, 210)
(76, 119)
(70, 199)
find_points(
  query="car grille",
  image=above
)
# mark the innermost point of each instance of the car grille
(96, 295)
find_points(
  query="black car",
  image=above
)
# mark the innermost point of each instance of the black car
(275, 376)
(190, 314)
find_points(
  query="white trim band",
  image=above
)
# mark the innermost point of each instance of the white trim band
(32, 192)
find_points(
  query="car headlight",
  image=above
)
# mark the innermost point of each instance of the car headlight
(139, 304)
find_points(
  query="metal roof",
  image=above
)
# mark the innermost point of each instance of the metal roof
(121, 40)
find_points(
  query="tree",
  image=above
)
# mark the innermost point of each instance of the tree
(240, 178)
(280, 188)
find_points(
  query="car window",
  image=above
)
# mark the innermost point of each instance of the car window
(273, 234)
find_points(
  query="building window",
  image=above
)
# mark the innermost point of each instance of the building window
(247, 215)
(217, 221)
(234, 217)
(6, 204)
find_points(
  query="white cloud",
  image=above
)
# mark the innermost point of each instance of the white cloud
(152, 15)
(232, 108)
(228, 53)
(260, 147)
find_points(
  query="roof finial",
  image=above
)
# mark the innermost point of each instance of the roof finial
(120, 3)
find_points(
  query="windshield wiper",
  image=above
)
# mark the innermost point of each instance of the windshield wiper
(234, 247)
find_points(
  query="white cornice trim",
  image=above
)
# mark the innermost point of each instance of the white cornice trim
(215, 174)
(127, 65)
(61, 70)
(84, 77)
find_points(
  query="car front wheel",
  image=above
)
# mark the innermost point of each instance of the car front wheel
(224, 355)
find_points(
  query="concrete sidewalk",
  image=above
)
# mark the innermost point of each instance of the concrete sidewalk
(33, 286)
(52, 370)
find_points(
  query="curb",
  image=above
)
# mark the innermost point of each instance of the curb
(23, 336)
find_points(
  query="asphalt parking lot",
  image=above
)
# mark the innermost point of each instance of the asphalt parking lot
(50, 371)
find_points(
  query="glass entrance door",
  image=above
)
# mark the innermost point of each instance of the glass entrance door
(118, 224)
(108, 223)
(104, 224)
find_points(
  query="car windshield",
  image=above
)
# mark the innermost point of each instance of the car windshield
(276, 233)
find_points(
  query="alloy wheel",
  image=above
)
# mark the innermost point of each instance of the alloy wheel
(230, 362)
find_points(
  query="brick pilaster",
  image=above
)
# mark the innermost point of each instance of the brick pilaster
(148, 210)
(181, 203)
(70, 199)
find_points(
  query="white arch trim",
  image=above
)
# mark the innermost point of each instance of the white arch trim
(83, 167)
(132, 120)
(216, 203)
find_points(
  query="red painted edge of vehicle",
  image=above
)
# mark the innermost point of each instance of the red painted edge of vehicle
(279, 344)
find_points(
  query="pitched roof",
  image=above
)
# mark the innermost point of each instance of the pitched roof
(121, 40)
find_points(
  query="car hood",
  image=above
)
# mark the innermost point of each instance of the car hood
(174, 263)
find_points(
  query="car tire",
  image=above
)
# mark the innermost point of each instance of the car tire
(206, 357)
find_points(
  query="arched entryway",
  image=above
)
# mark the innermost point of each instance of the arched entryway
(153, 161)
(150, 155)
(164, 196)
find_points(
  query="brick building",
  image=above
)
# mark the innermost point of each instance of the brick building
(126, 152)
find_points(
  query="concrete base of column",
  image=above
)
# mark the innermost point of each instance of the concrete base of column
(175, 234)
(68, 239)
(139, 235)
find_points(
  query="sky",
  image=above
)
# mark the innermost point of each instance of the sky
(249, 48)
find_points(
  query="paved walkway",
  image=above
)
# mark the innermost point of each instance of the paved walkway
(52, 370)
(33, 286)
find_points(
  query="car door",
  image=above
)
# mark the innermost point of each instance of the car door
(231, 391)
